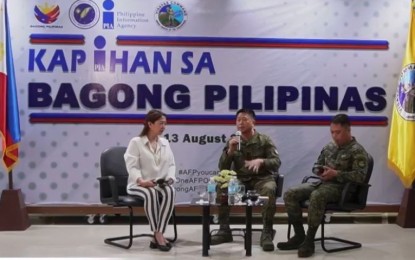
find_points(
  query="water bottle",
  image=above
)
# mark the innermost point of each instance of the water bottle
(211, 188)
(232, 190)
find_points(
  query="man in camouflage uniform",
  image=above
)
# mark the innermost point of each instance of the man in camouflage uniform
(340, 161)
(255, 163)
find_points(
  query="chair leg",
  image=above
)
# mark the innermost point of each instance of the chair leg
(173, 220)
(323, 239)
(130, 237)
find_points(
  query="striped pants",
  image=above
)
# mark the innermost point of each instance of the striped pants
(158, 204)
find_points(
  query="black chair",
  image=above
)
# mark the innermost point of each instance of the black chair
(113, 183)
(354, 197)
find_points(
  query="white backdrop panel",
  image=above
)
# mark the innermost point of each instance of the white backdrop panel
(59, 163)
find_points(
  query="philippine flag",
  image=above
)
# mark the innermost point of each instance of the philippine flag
(9, 111)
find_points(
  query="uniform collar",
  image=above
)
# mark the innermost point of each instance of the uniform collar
(352, 142)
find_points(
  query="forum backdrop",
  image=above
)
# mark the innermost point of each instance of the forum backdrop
(87, 71)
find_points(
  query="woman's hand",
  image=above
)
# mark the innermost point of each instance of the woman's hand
(146, 184)
(170, 181)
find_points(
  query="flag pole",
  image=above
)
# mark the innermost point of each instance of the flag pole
(11, 180)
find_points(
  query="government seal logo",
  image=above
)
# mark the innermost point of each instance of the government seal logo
(46, 13)
(84, 14)
(405, 96)
(171, 15)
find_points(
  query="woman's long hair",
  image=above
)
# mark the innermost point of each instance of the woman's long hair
(151, 117)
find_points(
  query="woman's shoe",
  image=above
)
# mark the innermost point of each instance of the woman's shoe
(153, 245)
(163, 248)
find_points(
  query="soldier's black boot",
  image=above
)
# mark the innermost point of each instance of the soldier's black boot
(295, 241)
(266, 237)
(224, 234)
(307, 248)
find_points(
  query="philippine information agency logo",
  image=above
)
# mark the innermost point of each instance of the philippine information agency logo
(405, 96)
(108, 15)
(84, 14)
(47, 14)
(171, 15)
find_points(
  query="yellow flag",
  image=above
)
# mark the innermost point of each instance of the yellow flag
(401, 152)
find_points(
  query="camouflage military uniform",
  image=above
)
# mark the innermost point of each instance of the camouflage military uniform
(350, 161)
(258, 146)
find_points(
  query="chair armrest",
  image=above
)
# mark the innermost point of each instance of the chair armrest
(312, 177)
(108, 189)
(354, 193)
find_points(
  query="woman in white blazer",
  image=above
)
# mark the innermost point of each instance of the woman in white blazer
(149, 160)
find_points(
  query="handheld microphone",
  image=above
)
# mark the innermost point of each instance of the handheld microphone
(238, 136)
